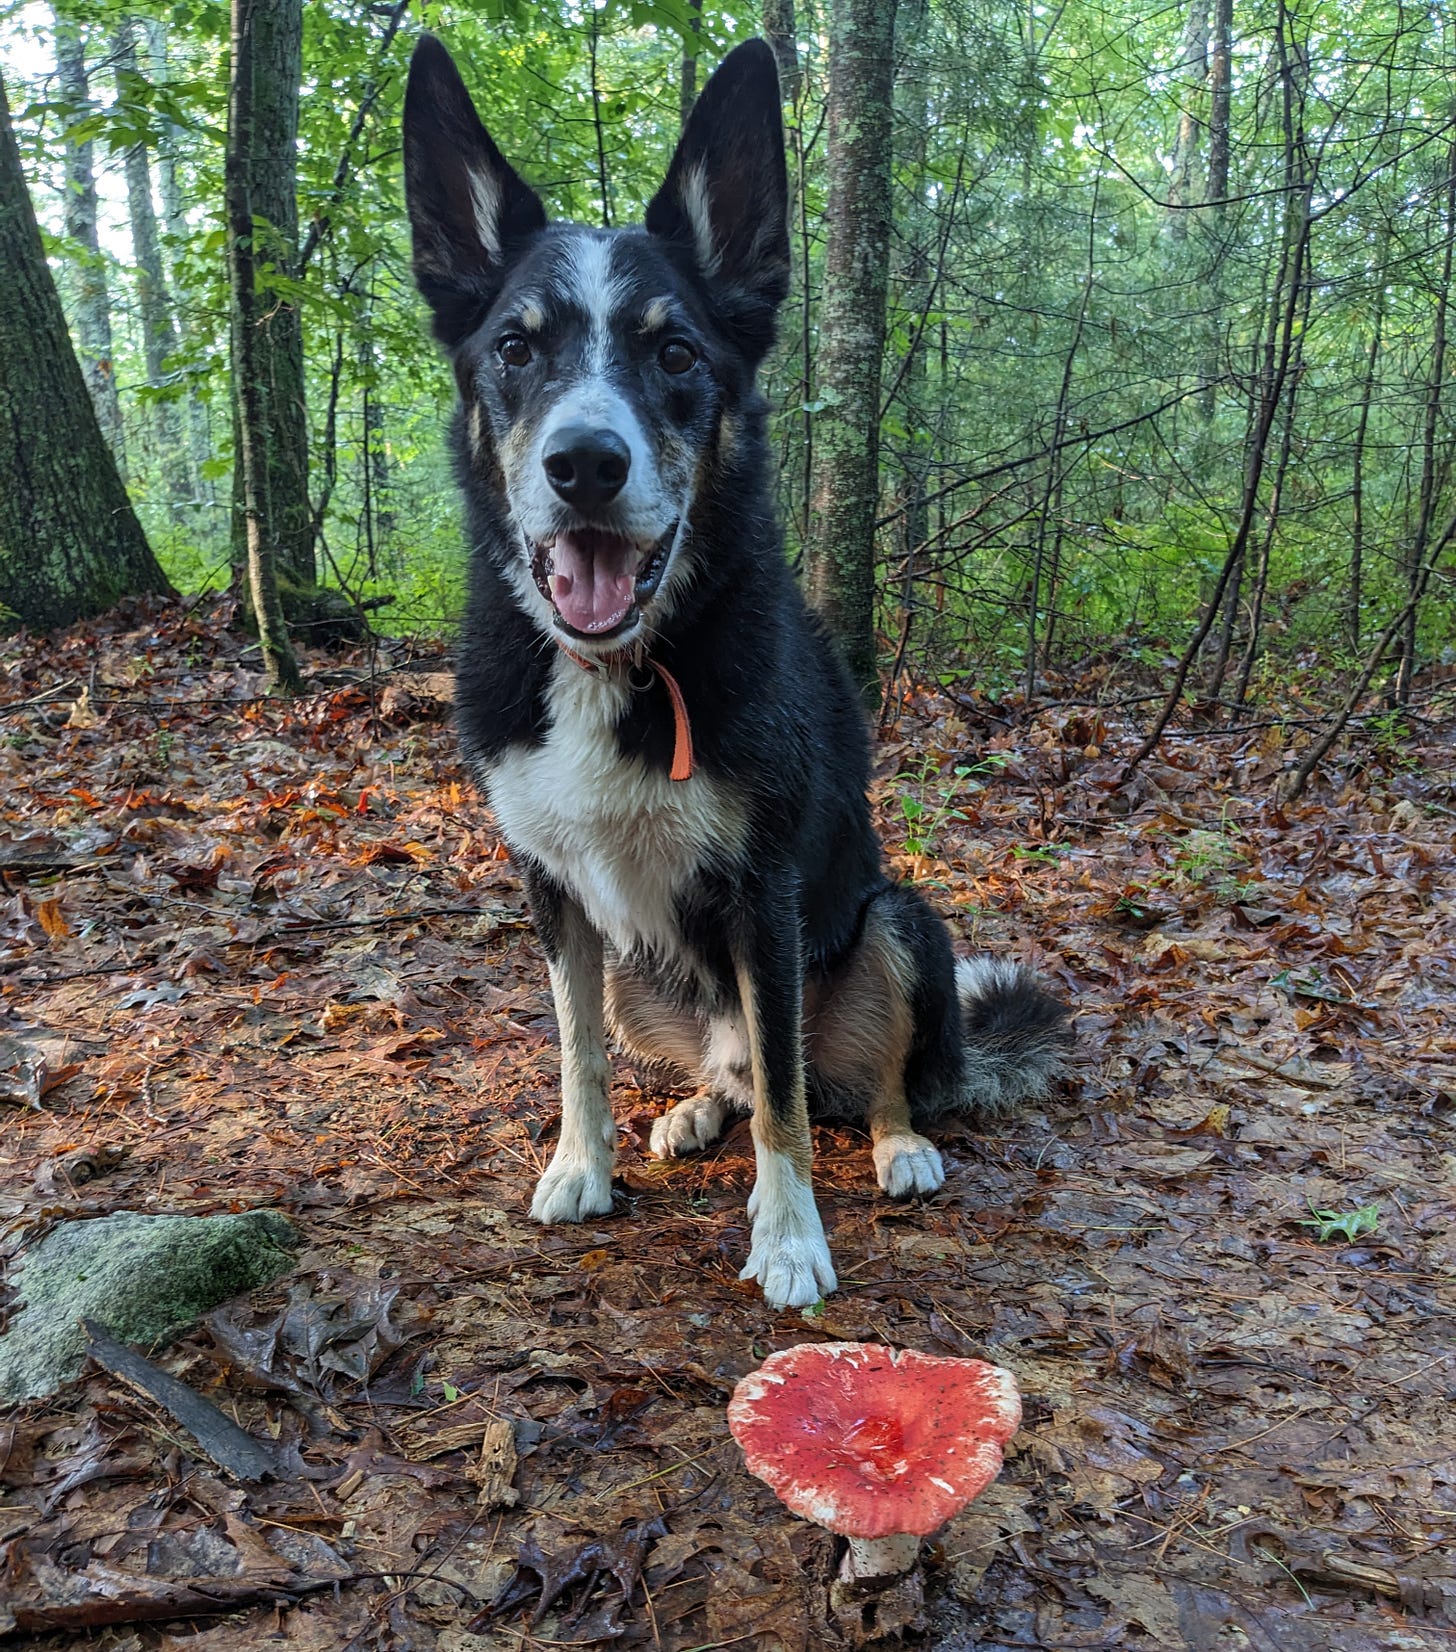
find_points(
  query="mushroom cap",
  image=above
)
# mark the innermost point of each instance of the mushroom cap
(871, 1441)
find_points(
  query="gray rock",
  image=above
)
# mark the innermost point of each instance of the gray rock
(147, 1278)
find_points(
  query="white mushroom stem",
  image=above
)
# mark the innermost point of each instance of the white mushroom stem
(880, 1556)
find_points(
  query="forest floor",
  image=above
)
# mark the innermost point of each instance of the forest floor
(260, 954)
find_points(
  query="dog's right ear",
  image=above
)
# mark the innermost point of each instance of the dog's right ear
(469, 210)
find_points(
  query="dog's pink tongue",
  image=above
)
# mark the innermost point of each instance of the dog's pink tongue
(592, 577)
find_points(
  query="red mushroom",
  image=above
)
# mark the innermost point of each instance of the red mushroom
(882, 1445)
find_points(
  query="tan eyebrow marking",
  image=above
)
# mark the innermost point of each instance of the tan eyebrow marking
(657, 315)
(533, 317)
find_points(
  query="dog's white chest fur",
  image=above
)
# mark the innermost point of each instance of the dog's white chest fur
(620, 836)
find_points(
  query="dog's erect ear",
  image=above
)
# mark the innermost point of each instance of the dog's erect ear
(469, 210)
(725, 201)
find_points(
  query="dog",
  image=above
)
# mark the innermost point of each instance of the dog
(675, 756)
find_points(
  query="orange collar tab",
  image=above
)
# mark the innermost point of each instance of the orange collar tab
(682, 732)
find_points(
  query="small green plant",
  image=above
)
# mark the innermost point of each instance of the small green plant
(1044, 854)
(1347, 1225)
(926, 797)
(1209, 858)
(165, 739)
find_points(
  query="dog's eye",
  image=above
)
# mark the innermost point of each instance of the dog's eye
(514, 351)
(676, 357)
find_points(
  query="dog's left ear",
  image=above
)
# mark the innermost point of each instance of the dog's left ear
(725, 202)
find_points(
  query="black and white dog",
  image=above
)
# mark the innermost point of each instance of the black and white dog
(673, 752)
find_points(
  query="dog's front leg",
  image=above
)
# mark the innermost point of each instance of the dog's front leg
(578, 1181)
(790, 1258)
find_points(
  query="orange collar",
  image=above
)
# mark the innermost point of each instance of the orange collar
(682, 733)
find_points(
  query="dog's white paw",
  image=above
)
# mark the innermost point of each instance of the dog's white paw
(907, 1164)
(572, 1190)
(687, 1128)
(794, 1269)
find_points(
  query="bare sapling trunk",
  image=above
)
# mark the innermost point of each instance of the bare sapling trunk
(159, 335)
(1433, 459)
(280, 667)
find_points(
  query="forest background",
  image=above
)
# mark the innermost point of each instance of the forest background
(1164, 306)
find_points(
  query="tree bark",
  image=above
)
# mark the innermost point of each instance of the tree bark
(1220, 86)
(159, 336)
(840, 553)
(174, 221)
(1357, 462)
(70, 543)
(687, 90)
(1193, 67)
(915, 291)
(91, 298)
(250, 357)
(1432, 461)
(281, 431)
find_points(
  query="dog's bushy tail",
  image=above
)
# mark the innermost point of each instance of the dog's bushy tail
(1017, 1036)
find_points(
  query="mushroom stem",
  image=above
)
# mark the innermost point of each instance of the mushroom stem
(879, 1556)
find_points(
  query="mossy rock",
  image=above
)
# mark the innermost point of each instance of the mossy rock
(146, 1278)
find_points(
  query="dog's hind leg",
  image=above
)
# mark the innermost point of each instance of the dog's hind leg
(726, 1074)
(789, 1256)
(863, 1037)
(578, 1181)
(711, 1050)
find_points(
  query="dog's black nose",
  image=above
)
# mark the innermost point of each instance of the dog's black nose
(587, 467)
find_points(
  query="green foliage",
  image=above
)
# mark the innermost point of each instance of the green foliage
(1347, 1225)
(1072, 368)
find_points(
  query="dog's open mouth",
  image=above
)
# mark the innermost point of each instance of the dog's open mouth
(595, 580)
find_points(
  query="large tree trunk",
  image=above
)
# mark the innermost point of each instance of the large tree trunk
(91, 300)
(272, 168)
(70, 544)
(159, 336)
(840, 554)
(259, 524)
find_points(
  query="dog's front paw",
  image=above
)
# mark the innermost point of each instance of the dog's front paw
(687, 1128)
(572, 1190)
(907, 1164)
(794, 1269)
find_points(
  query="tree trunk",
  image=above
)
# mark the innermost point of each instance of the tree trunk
(688, 79)
(91, 299)
(915, 295)
(1055, 470)
(1357, 463)
(159, 336)
(1193, 68)
(1220, 86)
(174, 220)
(280, 667)
(70, 544)
(1220, 145)
(840, 554)
(281, 431)
(1431, 460)
(778, 28)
